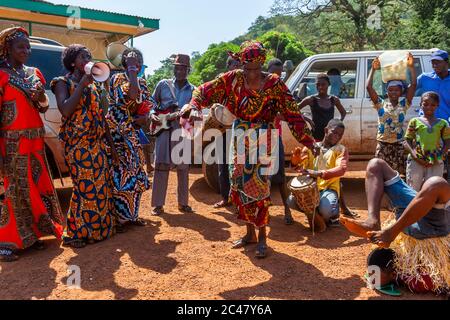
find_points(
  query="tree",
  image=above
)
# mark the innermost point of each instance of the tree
(352, 24)
(212, 62)
(164, 72)
(284, 46)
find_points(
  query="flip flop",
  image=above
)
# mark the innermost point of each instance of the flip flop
(351, 214)
(261, 251)
(288, 220)
(388, 289)
(241, 243)
(8, 255)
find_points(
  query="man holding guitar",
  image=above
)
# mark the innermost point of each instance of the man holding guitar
(170, 95)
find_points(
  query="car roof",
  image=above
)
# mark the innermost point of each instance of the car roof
(356, 54)
(48, 47)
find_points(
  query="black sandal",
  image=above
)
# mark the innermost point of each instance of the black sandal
(261, 251)
(158, 211)
(7, 255)
(351, 214)
(120, 228)
(76, 243)
(185, 209)
(288, 220)
(139, 222)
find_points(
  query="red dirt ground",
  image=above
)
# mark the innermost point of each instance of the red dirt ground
(188, 256)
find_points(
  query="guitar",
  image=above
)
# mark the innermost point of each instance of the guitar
(165, 118)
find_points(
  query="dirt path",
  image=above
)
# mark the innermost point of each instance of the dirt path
(188, 256)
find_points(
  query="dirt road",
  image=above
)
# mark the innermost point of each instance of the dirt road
(188, 256)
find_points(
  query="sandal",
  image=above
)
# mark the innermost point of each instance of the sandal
(38, 245)
(351, 214)
(222, 204)
(7, 255)
(261, 251)
(139, 222)
(288, 220)
(158, 211)
(120, 228)
(185, 209)
(241, 243)
(76, 243)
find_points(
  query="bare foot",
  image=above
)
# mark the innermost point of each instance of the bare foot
(381, 238)
(360, 228)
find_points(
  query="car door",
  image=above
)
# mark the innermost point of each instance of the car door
(369, 116)
(345, 86)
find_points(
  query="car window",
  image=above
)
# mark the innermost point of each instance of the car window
(342, 74)
(380, 86)
(49, 62)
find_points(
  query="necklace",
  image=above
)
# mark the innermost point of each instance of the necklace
(15, 70)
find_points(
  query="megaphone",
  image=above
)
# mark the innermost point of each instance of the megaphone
(114, 53)
(99, 70)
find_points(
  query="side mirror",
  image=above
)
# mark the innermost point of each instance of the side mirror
(300, 92)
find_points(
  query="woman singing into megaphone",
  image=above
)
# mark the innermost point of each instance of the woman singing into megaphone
(130, 104)
(84, 132)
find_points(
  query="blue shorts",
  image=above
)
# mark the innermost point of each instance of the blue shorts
(434, 224)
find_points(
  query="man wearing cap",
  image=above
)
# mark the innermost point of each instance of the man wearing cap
(439, 82)
(171, 95)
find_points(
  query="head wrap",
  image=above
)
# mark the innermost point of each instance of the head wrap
(395, 83)
(251, 51)
(8, 35)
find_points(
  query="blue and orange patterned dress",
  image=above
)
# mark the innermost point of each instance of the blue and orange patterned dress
(129, 177)
(90, 217)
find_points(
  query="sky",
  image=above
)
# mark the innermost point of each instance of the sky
(185, 25)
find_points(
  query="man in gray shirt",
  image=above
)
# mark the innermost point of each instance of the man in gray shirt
(171, 95)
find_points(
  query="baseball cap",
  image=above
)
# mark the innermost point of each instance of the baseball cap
(439, 55)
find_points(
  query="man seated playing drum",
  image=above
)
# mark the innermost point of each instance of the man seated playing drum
(327, 168)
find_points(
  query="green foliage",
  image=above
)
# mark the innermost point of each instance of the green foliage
(164, 72)
(211, 63)
(298, 28)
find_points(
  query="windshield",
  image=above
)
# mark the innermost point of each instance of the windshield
(293, 78)
(49, 62)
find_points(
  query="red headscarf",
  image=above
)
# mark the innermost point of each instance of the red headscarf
(9, 35)
(251, 51)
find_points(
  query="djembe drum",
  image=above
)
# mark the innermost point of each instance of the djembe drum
(306, 193)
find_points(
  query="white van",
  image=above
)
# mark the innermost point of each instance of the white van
(361, 121)
(46, 56)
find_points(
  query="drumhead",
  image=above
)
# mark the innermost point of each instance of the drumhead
(301, 182)
(223, 115)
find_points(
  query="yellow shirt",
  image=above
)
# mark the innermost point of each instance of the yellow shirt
(333, 163)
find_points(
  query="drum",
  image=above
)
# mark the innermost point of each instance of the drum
(218, 118)
(224, 116)
(306, 193)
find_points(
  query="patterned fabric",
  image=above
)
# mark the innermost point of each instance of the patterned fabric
(251, 51)
(256, 109)
(30, 209)
(129, 177)
(394, 154)
(90, 216)
(428, 140)
(391, 120)
(333, 162)
(8, 35)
